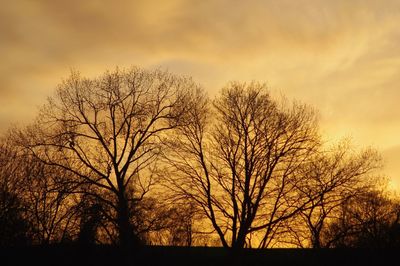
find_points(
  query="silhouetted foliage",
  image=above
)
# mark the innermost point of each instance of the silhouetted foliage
(370, 219)
(181, 228)
(91, 218)
(177, 227)
(144, 157)
(15, 229)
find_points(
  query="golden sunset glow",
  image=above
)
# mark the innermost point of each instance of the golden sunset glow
(342, 57)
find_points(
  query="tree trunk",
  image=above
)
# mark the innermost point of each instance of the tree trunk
(240, 240)
(127, 236)
(316, 242)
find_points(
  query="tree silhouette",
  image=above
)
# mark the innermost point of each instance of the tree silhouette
(15, 229)
(332, 177)
(51, 208)
(41, 191)
(368, 220)
(145, 157)
(236, 161)
(91, 217)
(107, 133)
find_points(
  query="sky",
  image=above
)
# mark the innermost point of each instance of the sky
(341, 57)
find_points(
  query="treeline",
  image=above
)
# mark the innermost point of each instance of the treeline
(137, 157)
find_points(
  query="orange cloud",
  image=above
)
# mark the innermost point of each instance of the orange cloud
(340, 56)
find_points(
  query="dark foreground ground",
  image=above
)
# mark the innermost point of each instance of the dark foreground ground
(106, 255)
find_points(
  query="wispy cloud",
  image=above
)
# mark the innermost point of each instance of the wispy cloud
(341, 56)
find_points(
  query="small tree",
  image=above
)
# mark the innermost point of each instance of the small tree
(15, 228)
(332, 177)
(49, 193)
(42, 192)
(368, 220)
(91, 218)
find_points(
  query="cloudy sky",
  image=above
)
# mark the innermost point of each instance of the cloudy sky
(341, 57)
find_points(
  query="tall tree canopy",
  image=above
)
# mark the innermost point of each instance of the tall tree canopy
(107, 132)
(237, 160)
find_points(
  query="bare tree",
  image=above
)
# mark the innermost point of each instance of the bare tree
(14, 225)
(178, 227)
(236, 160)
(51, 209)
(369, 219)
(107, 133)
(42, 192)
(181, 227)
(329, 179)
